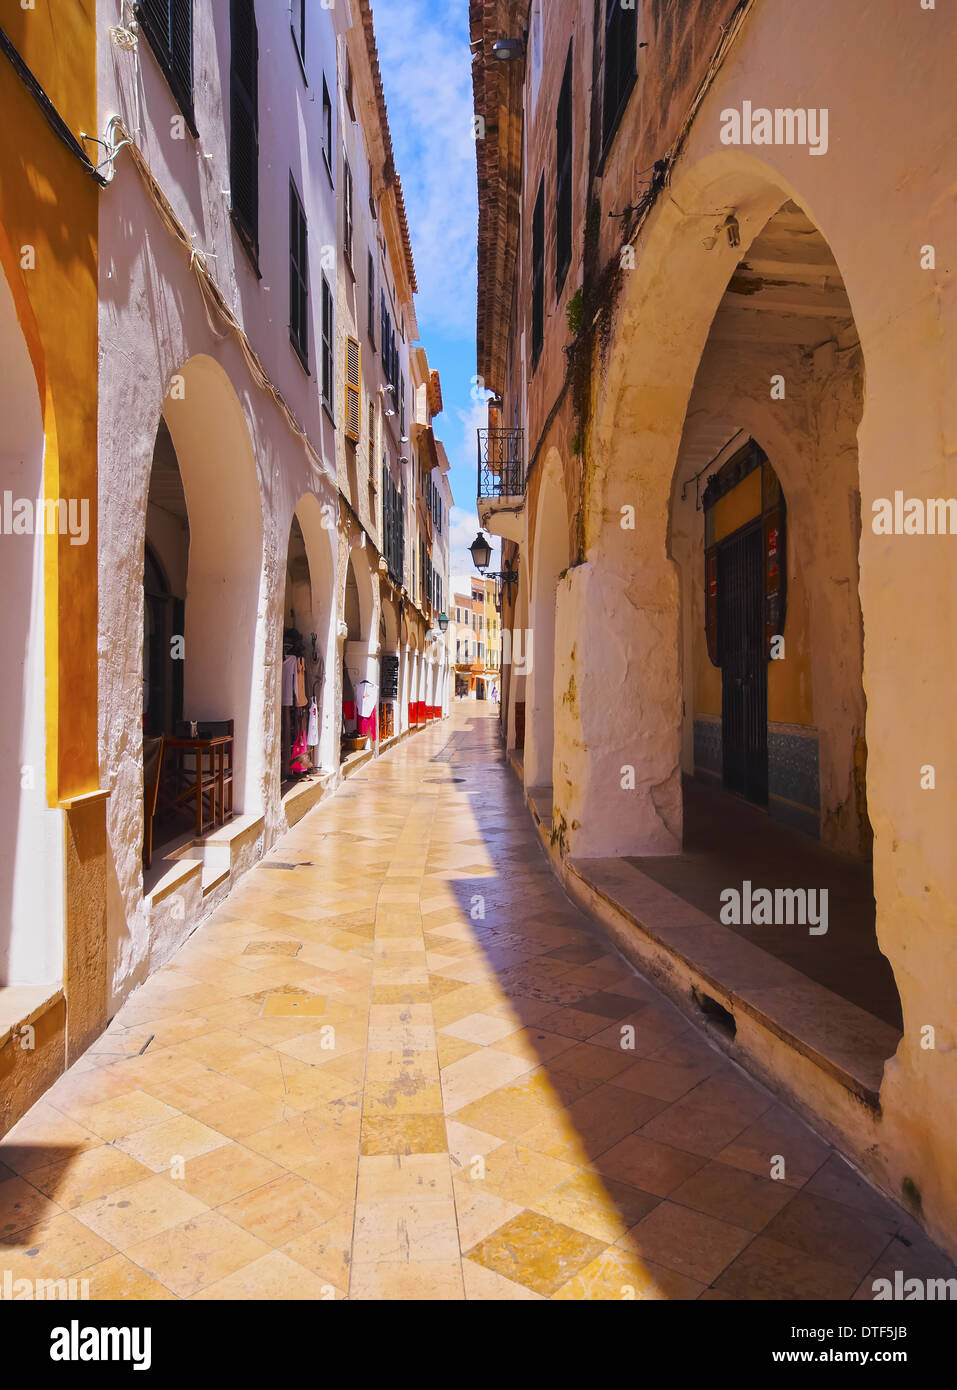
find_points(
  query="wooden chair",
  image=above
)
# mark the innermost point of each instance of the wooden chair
(190, 782)
(152, 768)
(221, 728)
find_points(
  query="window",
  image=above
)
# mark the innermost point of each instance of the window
(327, 346)
(350, 89)
(371, 439)
(327, 128)
(370, 299)
(298, 276)
(372, 205)
(401, 405)
(353, 374)
(538, 274)
(621, 48)
(563, 178)
(244, 122)
(168, 26)
(298, 21)
(536, 46)
(347, 210)
(393, 525)
(390, 353)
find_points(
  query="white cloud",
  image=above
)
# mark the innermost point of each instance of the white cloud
(426, 73)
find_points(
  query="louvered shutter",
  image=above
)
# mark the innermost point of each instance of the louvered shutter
(563, 177)
(244, 119)
(181, 42)
(168, 26)
(298, 276)
(353, 370)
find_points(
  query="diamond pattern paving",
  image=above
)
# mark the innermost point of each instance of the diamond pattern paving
(410, 1069)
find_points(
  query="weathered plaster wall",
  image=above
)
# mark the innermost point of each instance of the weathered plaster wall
(876, 214)
(244, 471)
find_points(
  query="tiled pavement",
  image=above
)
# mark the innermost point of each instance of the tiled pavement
(396, 1071)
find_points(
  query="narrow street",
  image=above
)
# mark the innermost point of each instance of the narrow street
(397, 1064)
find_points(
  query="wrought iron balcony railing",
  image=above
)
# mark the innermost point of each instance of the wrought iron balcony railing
(501, 463)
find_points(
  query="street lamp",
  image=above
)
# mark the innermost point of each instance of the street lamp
(443, 621)
(481, 553)
(508, 50)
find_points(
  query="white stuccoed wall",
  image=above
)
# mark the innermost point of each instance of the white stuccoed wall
(244, 471)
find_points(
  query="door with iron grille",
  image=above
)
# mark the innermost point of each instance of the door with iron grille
(744, 672)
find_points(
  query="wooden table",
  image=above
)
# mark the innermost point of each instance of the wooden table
(214, 781)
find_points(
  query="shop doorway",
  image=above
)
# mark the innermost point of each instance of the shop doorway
(302, 666)
(744, 681)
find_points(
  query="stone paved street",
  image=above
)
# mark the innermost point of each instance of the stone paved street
(391, 1068)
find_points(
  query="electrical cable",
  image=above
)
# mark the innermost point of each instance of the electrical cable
(220, 317)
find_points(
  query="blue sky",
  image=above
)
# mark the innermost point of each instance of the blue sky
(426, 73)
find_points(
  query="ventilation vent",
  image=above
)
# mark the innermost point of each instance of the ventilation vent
(715, 1013)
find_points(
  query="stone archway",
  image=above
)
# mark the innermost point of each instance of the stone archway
(214, 454)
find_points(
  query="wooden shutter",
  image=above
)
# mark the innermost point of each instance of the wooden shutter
(168, 26)
(298, 275)
(563, 177)
(328, 359)
(181, 42)
(244, 119)
(538, 273)
(347, 210)
(353, 377)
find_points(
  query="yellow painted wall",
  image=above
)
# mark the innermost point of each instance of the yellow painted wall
(48, 201)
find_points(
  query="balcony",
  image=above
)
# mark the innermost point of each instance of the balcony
(501, 481)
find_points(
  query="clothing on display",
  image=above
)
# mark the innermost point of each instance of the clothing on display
(290, 666)
(301, 690)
